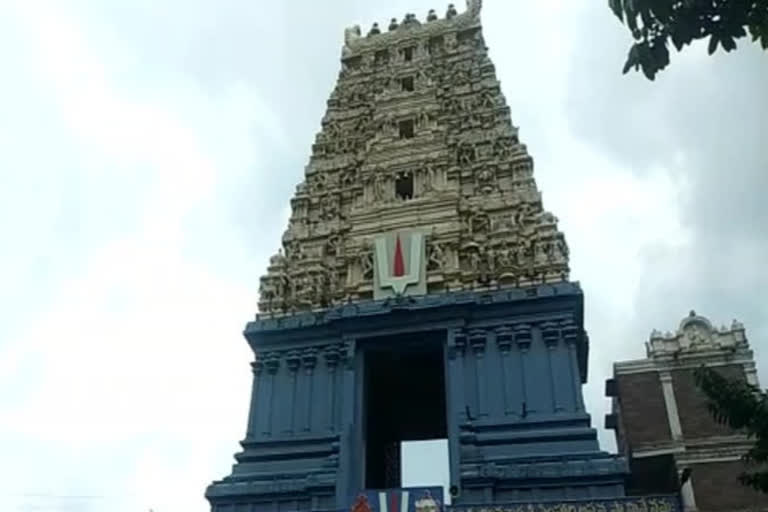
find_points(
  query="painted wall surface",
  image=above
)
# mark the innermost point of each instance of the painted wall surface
(517, 430)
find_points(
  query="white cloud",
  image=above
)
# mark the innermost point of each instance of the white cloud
(147, 156)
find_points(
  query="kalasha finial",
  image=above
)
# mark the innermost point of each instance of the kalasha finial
(374, 30)
(432, 15)
(393, 24)
(451, 11)
(410, 19)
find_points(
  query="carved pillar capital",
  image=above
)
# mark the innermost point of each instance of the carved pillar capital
(458, 344)
(309, 359)
(272, 362)
(478, 339)
(550, 333)
(569, 332)
(347, 353)
(293, 360)
(504, 338)
(257, 366)
(332, 357)
(523, 336)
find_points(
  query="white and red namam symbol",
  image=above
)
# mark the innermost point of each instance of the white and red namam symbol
(399, 261)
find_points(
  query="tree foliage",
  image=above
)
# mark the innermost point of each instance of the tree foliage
(654, 23)
(740, 406)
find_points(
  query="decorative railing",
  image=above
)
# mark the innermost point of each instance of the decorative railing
(626, 504)
(429, 499)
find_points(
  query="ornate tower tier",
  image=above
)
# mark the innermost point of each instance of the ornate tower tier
(417, 135)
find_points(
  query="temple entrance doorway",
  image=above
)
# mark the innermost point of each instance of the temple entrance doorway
(404, 399)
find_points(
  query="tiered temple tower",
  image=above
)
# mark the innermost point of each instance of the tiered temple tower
(421, 292)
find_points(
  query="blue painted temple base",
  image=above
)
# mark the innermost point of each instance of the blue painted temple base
(498, 373)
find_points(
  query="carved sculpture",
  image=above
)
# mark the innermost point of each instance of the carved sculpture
(444, 124)
(437, 258)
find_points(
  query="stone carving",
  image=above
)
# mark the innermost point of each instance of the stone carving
(627, 504)
(697, 334)
(486, 179)
(365, 257)
(416, 135)
(437, 258)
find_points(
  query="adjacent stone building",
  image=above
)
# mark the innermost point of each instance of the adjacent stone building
(662, 423)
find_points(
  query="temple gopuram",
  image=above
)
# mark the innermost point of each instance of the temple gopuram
(421, 292)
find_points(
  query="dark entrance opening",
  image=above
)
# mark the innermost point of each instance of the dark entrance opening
(403, 400)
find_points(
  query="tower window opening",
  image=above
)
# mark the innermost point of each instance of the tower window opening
(404, 186)
(436, 45)
(406, 129)
(408, 54)
(407, 83)
(381, 57)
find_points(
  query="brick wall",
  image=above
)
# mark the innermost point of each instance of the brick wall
(695, 419)
(716, 488)
(643, 411)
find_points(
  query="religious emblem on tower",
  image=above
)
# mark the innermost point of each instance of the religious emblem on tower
(399, 264)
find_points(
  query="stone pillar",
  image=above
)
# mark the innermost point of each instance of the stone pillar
(523, 340)
(504, 342)
(456, 349)
(669, 400)
(455, 401)
(570, 335)
(348, 423)
(551, 335)
(309, 360)
(477, 338)
(256, 366)
(331, 362)
(293, 361)
(272, 362)
(687, 496)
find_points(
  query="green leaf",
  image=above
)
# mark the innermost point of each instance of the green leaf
(660, 53)
(647, 18)
(661, 9)
(649, 70)
(677, 41)
(712, 44)
(632, 22)
(616, 7)
(647, 61)
(754, 31)
(728, 43)
(631, 60)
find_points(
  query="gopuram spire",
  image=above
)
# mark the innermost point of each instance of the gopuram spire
(417, 136)
(421, 293)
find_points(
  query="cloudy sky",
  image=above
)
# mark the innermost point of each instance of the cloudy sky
(148, 151)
